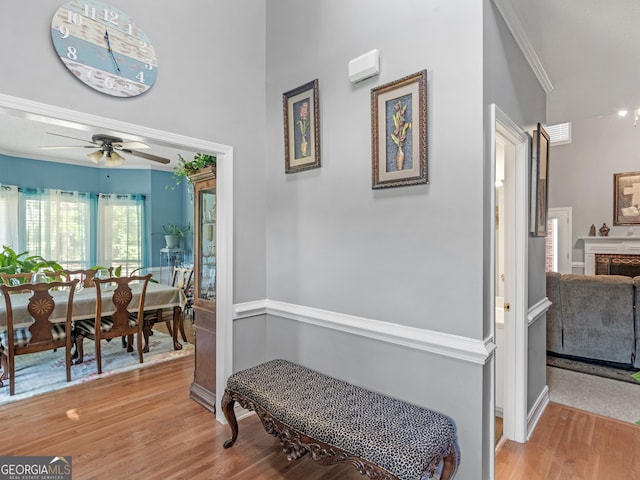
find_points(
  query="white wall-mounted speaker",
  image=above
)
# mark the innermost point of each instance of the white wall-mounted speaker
(364, 66)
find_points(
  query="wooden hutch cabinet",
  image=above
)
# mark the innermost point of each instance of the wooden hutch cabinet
(203, 388)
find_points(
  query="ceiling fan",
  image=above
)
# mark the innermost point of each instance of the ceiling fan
(109, 146)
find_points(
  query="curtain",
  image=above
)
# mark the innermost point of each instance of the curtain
(9, 214)
(57, 226)
(120, 231)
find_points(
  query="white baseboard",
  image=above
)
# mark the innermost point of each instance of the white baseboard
(537, 410)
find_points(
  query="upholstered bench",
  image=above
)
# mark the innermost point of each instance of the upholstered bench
(335, 421)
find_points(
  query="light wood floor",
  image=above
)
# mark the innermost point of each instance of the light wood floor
(573, 444)
(143, 425)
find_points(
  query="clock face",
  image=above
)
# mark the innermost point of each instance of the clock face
(104, 48)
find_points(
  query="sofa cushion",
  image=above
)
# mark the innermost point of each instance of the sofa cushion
(554, 314)
(598, 317)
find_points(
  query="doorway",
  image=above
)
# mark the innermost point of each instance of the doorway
(40, 112)
(509, 293)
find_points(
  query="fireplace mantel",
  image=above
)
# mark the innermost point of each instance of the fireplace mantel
(629, 245)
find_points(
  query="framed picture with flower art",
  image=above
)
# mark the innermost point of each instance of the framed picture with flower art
(399, 132)
(301, 114)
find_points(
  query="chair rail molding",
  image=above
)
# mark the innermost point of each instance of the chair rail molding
(455, 346)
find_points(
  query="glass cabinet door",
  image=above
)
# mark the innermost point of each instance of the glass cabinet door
(207, 245)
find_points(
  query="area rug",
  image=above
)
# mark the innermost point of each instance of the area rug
(596, 394)
(600, 370)
(43, 372)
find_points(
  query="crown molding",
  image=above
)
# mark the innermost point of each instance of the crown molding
(505, 7)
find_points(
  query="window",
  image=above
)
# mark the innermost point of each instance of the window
(9, 215)
(57, 226)
(120, 231)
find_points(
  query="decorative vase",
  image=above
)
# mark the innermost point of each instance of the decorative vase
(399, 158)
(604, 230)
(173, 241)
(304, 145)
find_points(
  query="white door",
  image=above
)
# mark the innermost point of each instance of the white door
(514, 142)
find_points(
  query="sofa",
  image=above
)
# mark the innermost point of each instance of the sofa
(594, 317)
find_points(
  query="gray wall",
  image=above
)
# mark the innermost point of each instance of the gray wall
(409, 256)
(198, 68)
(581, 173)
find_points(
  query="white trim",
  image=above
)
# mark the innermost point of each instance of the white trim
(516, 332)
(512, 20)
(224, 275)
(249, 309)
(538, 310)
(454, 346)
(224, 304)
(537, 411)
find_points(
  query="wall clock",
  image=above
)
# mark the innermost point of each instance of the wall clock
(104, 48)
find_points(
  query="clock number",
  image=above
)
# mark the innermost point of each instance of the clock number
(72, 54)
(108, 83)
(64, 31)
(75, 18)
(92, 14)
(140, 77)
(111, 16)
(148, 65)
(129, 28)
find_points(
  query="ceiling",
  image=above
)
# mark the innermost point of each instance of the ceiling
(584, 53)
(24, 134)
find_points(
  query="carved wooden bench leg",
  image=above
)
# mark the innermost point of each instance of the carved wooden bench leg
(229, 413)
(450, 465)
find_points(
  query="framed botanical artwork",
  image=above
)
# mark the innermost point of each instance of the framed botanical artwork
(399, 132)
(539, 181)
(301, 113)
(626, 198)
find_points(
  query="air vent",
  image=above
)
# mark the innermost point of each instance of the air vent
(559, 134)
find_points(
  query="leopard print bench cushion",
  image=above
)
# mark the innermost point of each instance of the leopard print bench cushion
(403, 439)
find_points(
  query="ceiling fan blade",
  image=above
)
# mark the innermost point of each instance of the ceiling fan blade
(51, 147)
(121, 145)
(73, 138)
(147, 156)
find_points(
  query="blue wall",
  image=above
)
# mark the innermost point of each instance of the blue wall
(163, 205)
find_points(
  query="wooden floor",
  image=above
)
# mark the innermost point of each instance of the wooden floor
(143, 425)
(573, 444)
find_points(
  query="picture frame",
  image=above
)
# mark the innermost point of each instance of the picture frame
(399, 132)
(626, 198)
(301, 118)
(539, 181)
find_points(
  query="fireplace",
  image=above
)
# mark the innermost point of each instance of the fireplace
(612, 255)
(617, 264)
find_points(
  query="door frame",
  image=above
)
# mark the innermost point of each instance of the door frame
(515, 412)
(224, 295)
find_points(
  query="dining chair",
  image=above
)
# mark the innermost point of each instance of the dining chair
(48, 328)
(183, 279)
(119, 323)
(86, 275)
(13, 279)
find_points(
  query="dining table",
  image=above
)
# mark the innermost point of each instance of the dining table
(159, 296)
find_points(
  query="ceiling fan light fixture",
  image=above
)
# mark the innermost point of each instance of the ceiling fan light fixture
(113, 159)
(95, 156)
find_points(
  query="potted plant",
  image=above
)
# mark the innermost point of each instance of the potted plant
(173, 233)
(186, 168)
